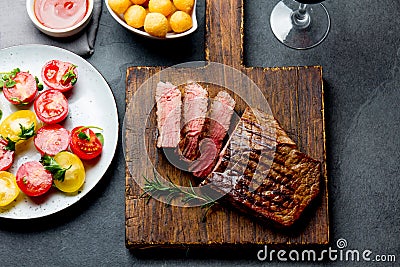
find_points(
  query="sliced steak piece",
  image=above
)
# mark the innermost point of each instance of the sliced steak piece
(218, 123)
(195, 103)
(168, 99)
(279, 193)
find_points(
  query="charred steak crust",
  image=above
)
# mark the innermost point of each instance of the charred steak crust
(279, 194)
(168, 100)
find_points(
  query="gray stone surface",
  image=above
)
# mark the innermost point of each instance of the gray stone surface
(361, 68)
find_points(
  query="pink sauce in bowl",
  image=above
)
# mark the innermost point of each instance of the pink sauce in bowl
(60, 14)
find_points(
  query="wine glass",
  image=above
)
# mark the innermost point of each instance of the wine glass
(300, 24)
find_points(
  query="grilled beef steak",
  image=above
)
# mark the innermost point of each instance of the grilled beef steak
(279, 193)
(168, 99)
(217, 125)
(195, 103)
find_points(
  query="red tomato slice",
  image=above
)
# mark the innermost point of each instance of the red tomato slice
(6, 156)
(51, 139)
(59, 75)
(33, 179)
(51, 106)
(82, 147)
(24, 90)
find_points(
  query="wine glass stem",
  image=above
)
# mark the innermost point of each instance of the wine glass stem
(300, 17)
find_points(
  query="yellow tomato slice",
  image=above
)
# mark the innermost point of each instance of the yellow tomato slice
(8, 188)
(11, 128)
(74, 176)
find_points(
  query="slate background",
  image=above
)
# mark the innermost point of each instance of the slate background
(361, 70)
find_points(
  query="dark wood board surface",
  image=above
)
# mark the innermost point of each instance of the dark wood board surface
(295, 95)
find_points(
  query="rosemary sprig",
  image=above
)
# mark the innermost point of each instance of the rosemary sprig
(170, 191)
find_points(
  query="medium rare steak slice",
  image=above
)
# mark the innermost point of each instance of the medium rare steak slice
(279, 193)
(217, 125)
(168, 99)
(195, 103)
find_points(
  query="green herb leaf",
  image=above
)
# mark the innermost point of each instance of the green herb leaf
(39, 85)
(83, 136)
(14, 72)
(10, 83)
(70, 75)
(19, 101)
(90, 127)
(26, 133)
(52, 166)
(7, 78)
(73, 81)
(1, 114)
(60, 174)
(10, 144)
(100, 136)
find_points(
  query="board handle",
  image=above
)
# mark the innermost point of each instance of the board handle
(224, 32)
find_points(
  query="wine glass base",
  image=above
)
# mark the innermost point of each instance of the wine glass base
(294, 36)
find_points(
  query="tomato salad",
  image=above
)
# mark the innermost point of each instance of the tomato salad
(57, 167)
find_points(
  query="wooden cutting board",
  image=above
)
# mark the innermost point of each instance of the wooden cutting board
(295, 95)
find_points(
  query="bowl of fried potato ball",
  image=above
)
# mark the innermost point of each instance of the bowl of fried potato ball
(157, 19)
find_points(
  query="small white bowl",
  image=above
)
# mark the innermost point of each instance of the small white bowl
(170, 35)
(59, 32)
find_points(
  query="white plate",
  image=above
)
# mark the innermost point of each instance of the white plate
(170, 35)
(91, 102)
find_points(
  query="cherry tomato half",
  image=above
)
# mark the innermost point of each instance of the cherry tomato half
(24, 90)
(8, 188)
(51, 106)
(6, 156)
(74, 176)
(84, 143)
(59, 75)
(51, 139)
(33, 179)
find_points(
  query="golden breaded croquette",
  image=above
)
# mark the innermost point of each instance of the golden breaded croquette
(184, 5)
(135, 16)
(138, 2)
(156, 24)
(146, 3)
(119, 6)
(180, 21)
(174, 9)
(164, 7)
(169, 24)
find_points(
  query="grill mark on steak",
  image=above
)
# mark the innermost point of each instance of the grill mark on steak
(279, 193)
(168, 99)
(277, 178)
(195, 103)
(216, 127)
